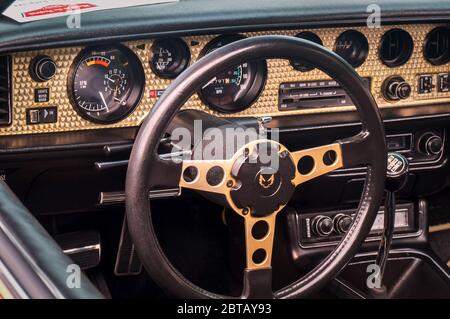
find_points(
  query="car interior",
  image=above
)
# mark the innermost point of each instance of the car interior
(120, 175)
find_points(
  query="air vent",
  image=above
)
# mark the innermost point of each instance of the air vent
(5, 91)
(396, 47)
(437, 46)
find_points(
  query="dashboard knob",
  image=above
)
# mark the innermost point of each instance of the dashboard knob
(42, 68)
(396, 88)
(430, 144)
(342, 223)
(322, 225)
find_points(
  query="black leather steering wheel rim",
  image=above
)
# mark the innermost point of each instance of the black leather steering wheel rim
(372, 152)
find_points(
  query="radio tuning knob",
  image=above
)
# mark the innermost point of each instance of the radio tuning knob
(342, 223)
(430, 144)
(322, 225)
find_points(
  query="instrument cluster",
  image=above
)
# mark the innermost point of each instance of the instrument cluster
(116, 85)
(106, 83)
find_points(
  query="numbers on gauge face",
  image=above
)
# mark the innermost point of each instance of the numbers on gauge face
(116, 84)
(106, 84)
(224, 88)
(169, 58)
(100, 84)
(163, 59)
(236, 88)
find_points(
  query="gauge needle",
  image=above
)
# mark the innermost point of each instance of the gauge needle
(109, 79)
(209, 82)
(103, 99)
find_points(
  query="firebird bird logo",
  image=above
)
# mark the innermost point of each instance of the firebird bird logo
(266, 183)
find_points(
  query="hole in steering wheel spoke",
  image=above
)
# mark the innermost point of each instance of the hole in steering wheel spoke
(215, 175)
(306, 165)
(260, 229)
(190, 174)
(329, 158)
(259, 256)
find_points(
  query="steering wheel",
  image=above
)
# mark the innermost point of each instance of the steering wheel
(255, 191)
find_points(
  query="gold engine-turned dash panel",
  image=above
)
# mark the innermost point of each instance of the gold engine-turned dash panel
(278, 71)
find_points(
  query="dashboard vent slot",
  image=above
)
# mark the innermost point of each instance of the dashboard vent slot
(437, 46)
(396, 47)
(5, 91)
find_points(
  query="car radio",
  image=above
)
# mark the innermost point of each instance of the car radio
(324, 228)
(313, 94)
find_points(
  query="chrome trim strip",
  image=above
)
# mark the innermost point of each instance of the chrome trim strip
(38, 270)
(11, 283)
(76, 250)
(107, 198)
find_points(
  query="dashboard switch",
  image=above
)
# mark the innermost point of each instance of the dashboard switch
(425, 84)
(396, 88)
(342, 223)
(322, 225)
(41, 95)
(42, 115)
(42, 68)
(430, 144)
(444, 82)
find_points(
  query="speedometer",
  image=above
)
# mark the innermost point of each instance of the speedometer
(236, 88)
(106, 83)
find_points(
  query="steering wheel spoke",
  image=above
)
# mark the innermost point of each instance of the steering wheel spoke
(257, 283)
(356, 150)
(206, 175)
(259, 234)
(255, 188)
(317, 161)
(165, 173)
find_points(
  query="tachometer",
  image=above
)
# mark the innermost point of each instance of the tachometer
(106, 83)
(236, 88)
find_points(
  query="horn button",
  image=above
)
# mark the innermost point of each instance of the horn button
(263, 179)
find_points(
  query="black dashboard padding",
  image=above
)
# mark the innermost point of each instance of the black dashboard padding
(32, 256)
(187, 17)
(143, 157)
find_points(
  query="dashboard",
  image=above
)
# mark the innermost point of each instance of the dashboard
(72, 101)
(116, 85)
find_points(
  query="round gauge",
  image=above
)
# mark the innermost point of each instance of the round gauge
(169, 57)
(106, 83)
(298, 64)
(238, 87)
(353, 47)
